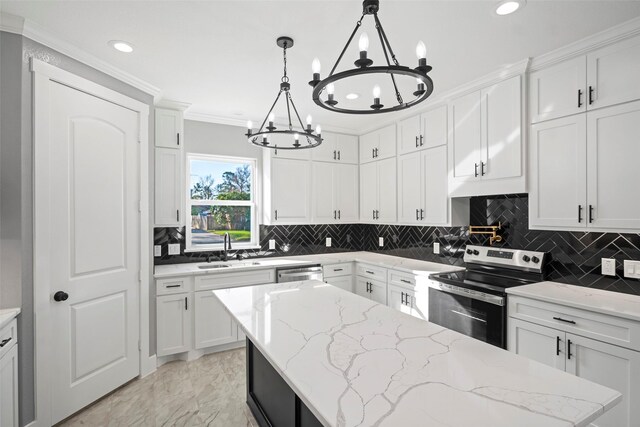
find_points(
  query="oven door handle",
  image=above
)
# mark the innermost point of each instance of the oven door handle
(480, 296)
(469, 316)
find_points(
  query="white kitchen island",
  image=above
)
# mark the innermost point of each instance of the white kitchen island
(353, 362)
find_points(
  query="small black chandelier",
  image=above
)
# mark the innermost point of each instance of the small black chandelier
(262, 138)
(364, 66)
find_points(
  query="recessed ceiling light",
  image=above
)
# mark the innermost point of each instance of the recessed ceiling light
(352, 96)
(509, 6)
(121, 46)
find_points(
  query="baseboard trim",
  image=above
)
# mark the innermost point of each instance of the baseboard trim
(189, 356)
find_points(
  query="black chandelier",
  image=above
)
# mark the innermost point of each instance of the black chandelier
(262, 137)
(364, 66)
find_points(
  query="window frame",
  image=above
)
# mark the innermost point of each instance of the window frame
(251, 203)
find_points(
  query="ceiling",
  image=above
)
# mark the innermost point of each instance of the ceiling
(221, 56)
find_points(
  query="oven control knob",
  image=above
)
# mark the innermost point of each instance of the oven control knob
(526, 258)
(476, 252)
(535, 259)
(469, 251)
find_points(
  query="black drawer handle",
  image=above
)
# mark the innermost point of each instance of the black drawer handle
(569, 349)
(172, 286)
(590, 95)
(475, 165)
(402, 294)
(557, 346)
(579, 214)
(337, 269)
(590, 213)
(405, 281)
(369, 272)
(564, 320)
(579, 98)
(5, 342)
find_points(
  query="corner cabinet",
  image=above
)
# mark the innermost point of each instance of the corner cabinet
(169, 168)
(336, 148)
(486, 153)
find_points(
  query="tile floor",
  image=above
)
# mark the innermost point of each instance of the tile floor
(209, 391)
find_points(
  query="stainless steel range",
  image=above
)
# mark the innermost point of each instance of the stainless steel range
(473, 301)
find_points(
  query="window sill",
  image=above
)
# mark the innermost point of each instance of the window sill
(220, 249)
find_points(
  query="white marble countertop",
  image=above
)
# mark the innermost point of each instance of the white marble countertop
(7, 315)
(387, 261)
(355, 362)
(601, 301)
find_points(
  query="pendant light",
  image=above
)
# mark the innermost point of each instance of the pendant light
(304, 137)
(364, 65)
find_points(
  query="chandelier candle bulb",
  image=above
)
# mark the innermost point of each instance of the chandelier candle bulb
(315, 68)
(309, 120)
(363, 45)
(272, 118)
(420, 89)
(376, 98)
(318, 130)
(330, 94)
(249, 127)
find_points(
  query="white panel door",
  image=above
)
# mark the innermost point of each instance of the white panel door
(612, 73)
(362, 287)
(539, 343)
(213, 325)
(465, 136)
(168, 187)
(410, 201)
(559, 90)
(169, 128)
(345, 183)
(342, 282)
(387, 188)
(434, 181)
(368, 191)
(502, 121)
(323, 206)
(387, 142)
(95, 261)
(613, 150)
(409, 136)
(9, 388)
(327, 151)
(378, 291)
(368, 144)
(611, 366)
(558, 173)
(434, 127)
(347, 147)
(290, 190)
(173, 314)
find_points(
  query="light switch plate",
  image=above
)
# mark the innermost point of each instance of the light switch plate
(157, 250)
(381, 241)
(608, 266)
(436, 247)
(632, 269)
(272, 244)
(174, 249)
(328, 242)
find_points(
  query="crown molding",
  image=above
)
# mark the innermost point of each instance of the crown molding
(581, 47)
(18, 25)
(172, 105)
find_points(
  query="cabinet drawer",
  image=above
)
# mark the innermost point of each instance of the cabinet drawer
(173, 285)
(403, 279)
(8, 336)
(334, 270)
(230, 280)
(601, 327)
(370, 271)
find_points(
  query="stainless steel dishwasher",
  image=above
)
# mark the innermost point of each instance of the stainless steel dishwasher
(297, 274)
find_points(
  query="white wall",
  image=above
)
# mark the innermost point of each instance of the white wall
(213, 138)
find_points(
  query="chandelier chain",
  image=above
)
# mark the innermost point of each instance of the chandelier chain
(295, 110)
(284, 57)
(385, 45)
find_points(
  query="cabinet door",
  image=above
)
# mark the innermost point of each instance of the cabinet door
(368, 144)
(409, 139)
(612, 73)
(434, 127)
(410, 200)
(386, 142)
(434, 181)
(327, 151)
(342, 282)
(213, 324)
(502, 136)
(9, 388)
(323, 207)
(168, 187)
(368, 191)
(387, 190)
(378, 291)
(347, 147)
(397, 298)
(169, 128)
(611, 366)
(465, 136)
(362, 287)
(613, 150)
(290, 190)
(345, 184)
(173, 323)
(558, 173)
(539, 343)
(559, 90)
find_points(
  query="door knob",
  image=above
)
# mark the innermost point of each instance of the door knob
(60, 296)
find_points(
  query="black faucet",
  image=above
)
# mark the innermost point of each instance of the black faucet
(227, 247)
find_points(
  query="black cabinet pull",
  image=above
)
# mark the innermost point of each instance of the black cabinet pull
(402, 298)
(569, 350)
(178, 138)
(591, 95)
(579, 98)
(5, 342)
(338, 155)
(186, 303)
(557, 346)
(416, 140)
(377, 214)
(276, 214)
(475, 165)
(172, 286)
(579, 214)
(421, 138)
(373, 153)
(337, 269)
(482, 165)
(564, 320)
(377, 153)
(368, 272)
(590, 213)
(417, 216)
(338, 213)
(334, 154)
(421, 214)
(373, 214)
(335, 215)
(178, 215)
(405, 281)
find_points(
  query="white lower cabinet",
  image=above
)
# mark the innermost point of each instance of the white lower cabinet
(375, 290)
(173, 323)
(9, 376)
(342, 282)
(339, 275)
(400, 298)
(213, 324)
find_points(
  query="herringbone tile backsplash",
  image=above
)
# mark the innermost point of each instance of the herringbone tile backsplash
(575, 255)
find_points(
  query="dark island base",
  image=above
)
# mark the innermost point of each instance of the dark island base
(271, 400)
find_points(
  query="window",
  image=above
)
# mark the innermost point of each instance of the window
(221, 200)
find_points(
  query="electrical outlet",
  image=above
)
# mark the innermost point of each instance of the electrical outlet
(436, 247)
(174, 248)
(381, 241)
(328, 242)
(157, 250)
(632, 269)
(608, 266)
(272, 244)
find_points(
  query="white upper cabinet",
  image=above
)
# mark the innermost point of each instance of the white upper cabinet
(410, 200)
(336, 148)
(289, 191)
(409, 135)
(346, 192)
(335, 193)
(378, 191)
(423, 131)
(168, 188)
(169, 128)
(368, 191)
(378, 145)
(465, 136)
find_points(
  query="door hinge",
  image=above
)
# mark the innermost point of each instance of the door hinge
(139, 275)
(139, 345)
